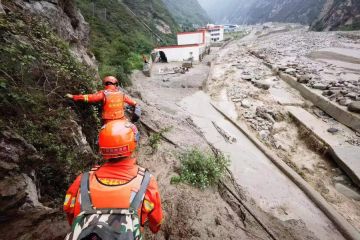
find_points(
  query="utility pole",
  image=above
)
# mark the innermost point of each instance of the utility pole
(105, 14)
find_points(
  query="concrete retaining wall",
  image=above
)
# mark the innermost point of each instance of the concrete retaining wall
(340, 113)
(342, 224)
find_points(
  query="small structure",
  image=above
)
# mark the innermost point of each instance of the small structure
(230, 28)
(216, 32)
(192, 46)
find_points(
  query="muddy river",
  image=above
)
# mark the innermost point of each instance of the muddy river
(254, 172)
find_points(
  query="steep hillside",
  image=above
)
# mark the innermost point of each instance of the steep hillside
(339, 15)
(121, 31)
(44, 139)
(299, 11)
(258, 11)
(187, 12)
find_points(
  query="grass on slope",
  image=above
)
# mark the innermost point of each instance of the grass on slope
(36, 70)
(187, 13)
(118, 39)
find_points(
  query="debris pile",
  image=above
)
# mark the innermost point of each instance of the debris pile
(174, 70)
(304, 56)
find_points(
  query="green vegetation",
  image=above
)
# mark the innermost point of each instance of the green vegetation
(351, 27)
(201, 169)
(235, 35)
(118, 39)
(36, 70)
(187, 13)
(155, 138)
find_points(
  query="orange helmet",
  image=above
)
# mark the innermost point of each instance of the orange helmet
(110, 79)
(118, 138)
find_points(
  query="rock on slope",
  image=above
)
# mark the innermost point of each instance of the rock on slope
(19, 197)
(187, 12)
(339, 15)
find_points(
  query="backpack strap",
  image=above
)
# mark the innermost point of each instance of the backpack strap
(84, 193)
(135, 204)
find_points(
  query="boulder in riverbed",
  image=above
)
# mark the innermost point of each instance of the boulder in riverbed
(354, 107)
(345, 102)
(319, 86)
(245, 103)
(304, 79)
(261, 85)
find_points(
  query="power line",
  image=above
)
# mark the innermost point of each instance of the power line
(145, 25)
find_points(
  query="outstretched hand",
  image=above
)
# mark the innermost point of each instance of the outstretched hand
(69, 96)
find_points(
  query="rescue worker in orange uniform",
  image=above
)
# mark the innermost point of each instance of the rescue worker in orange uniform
(111, 184)
(113, 100)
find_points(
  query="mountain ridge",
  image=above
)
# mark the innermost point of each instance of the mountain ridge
(319, 14)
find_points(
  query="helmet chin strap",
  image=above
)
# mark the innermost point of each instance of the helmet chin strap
(114, 160)
(109, 83)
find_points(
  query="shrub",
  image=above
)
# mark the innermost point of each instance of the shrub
(201, 169)
(155, 138)
(36, 70)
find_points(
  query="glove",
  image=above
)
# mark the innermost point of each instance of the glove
(136, 114)
(69, 96)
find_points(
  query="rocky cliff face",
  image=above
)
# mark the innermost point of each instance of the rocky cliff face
(339, 15)
(67, 21)
(19, 196)
(44, 141)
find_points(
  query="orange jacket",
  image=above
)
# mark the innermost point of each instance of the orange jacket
(114, 174)
(113, 101)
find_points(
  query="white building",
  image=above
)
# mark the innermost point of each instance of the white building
(191, 46)
(216, 32)
(178, 53)
(230, 28)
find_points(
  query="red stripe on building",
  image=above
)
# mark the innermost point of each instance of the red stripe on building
(183, 33)
(180, 46)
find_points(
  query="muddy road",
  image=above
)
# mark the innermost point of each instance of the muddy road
(183, 102)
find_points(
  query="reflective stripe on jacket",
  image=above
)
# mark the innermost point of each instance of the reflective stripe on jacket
(113, 101)
(113, 174)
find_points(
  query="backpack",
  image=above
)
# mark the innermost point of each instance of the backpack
(108, 224)
(113, 104)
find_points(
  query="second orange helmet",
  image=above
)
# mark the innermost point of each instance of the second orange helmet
(110, 79)
(118, 138)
